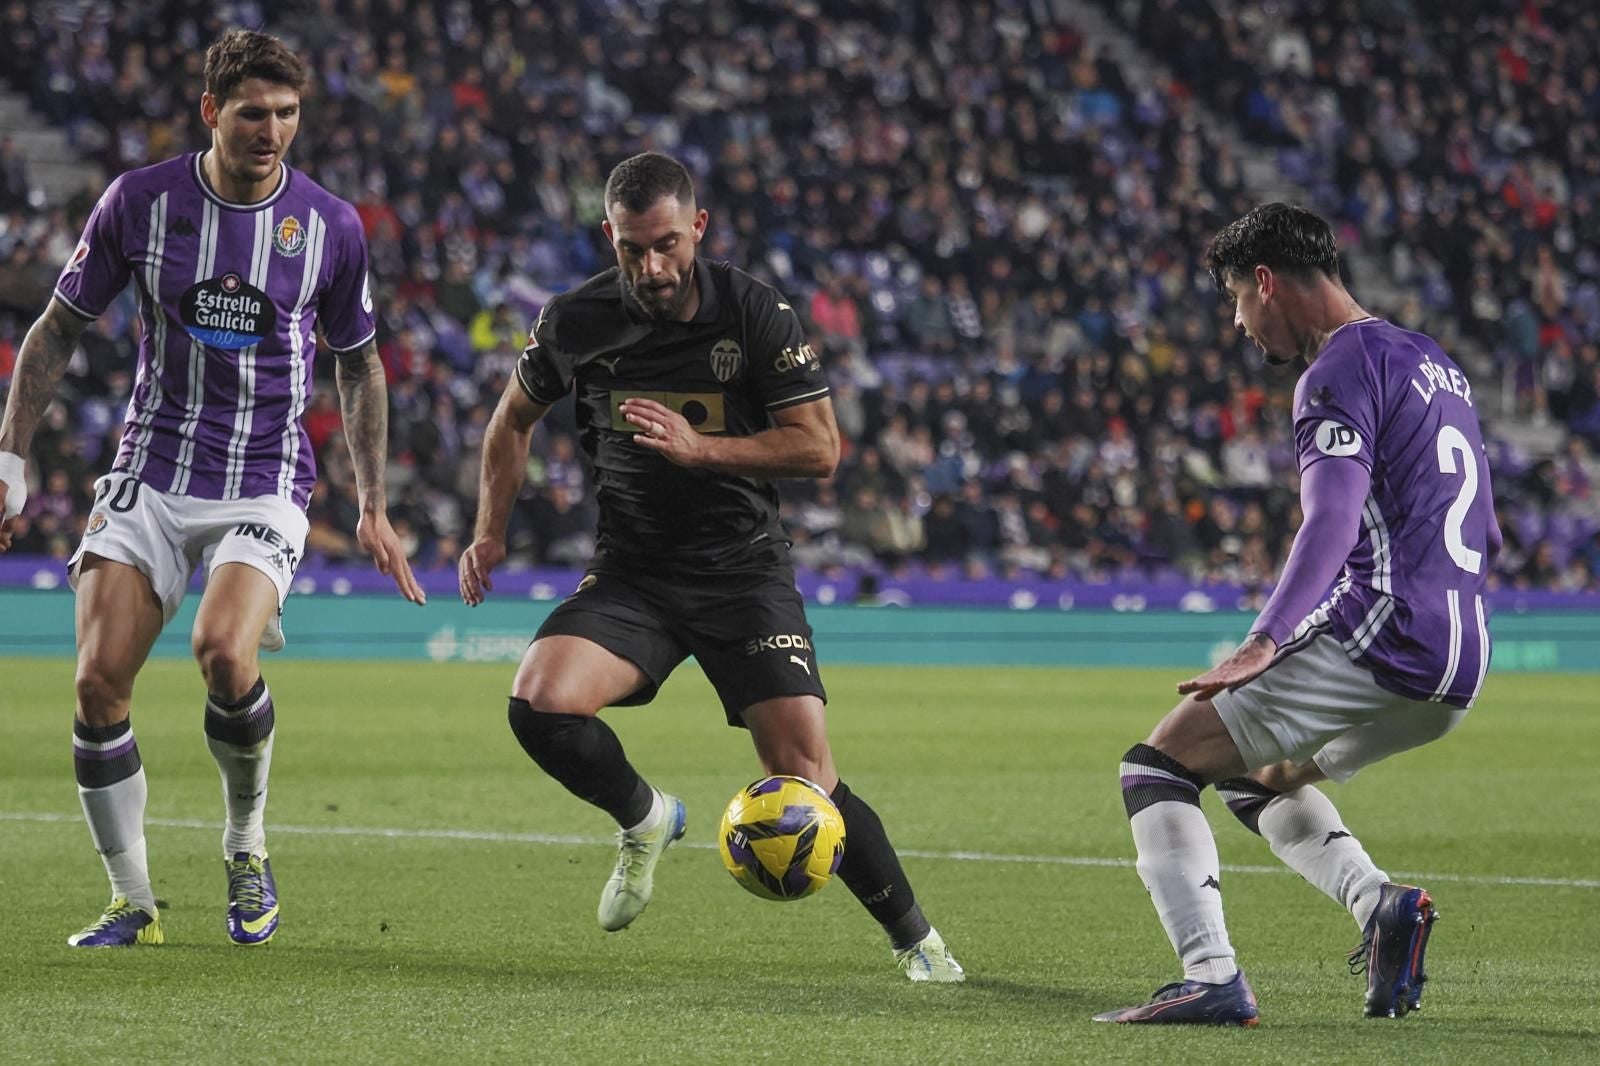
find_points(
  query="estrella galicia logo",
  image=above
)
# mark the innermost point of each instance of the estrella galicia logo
(227, 312)
(1336, 438)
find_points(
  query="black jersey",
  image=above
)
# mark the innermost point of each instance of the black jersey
(741, 357)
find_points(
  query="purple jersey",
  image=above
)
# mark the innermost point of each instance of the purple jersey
(229, 298)
(1410, 604)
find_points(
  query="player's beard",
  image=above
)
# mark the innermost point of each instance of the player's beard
(654, 306)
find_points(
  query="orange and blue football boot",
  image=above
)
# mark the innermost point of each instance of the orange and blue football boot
(1392, 950)
(1193, 1003)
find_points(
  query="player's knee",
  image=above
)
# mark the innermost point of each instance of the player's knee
(1151, 776)
(543, 733)
(796, 761)
(102, 696)
(227, 664)
(554, 695)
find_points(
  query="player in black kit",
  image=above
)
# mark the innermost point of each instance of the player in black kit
(695, 388)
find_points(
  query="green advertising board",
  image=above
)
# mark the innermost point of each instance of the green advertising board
(363, 627)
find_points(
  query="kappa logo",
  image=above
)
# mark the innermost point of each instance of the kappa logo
(726, 356)
(290, 237)
(80, 255)
(1320, 395)
(1336, 438)
(1211, 882)
(284, 557)
(181, 227)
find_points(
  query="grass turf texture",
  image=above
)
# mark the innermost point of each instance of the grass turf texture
(431, 948)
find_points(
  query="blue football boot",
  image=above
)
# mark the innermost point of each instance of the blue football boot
(1392, 950)
(1193, 1003)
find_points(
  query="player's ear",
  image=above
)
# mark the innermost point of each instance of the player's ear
(1266, 282)
(605, 227)
(700, 218)
(209, 109)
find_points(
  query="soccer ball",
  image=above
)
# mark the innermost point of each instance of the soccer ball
(782, 838)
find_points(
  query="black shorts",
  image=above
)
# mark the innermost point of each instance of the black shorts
(746, 628)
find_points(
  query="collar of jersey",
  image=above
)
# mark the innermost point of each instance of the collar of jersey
(710, 306)
(199, 175)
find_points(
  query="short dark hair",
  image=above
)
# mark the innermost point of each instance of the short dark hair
(639, 181)
(1285, 238)
(241, 54)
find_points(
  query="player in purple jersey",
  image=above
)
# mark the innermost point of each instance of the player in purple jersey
(239, 263)
(1395, 491)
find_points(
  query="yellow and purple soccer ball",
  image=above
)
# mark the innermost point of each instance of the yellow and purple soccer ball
(782, 838)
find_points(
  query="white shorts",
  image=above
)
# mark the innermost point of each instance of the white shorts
(1316, 704)
(166, 537)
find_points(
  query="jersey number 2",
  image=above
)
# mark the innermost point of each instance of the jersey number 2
(1452, 443)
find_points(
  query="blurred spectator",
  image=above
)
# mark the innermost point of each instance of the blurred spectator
(995, 242)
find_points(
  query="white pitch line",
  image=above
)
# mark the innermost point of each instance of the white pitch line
(488, 836)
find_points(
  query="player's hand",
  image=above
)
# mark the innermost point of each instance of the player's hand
(1253, 656)
(9, 515)
(481, 557)
(379, 540)
(663, 430)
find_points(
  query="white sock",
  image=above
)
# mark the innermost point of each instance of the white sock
(244, 767)
(1304, 830)
(658, 811)
(116, 825)
(1179, 866)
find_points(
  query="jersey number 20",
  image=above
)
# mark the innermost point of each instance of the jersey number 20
(1452, 443)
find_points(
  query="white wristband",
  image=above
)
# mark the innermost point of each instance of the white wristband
(12, 475)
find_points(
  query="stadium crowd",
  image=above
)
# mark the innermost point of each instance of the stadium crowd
(996, 241)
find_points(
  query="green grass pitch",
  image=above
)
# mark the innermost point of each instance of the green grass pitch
(439, 892)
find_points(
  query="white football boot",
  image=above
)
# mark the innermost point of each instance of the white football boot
(627, 893)
(930, 960)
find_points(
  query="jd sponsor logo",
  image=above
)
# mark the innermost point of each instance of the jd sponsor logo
(777, 642)
(227, 312)
(1336, 438)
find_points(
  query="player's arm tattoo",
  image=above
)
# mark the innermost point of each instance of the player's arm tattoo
(46, 351)
(505, 459)
(365, 404)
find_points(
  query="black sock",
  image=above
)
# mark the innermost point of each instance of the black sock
(584, 755)
(1247, 798)
(871, 870)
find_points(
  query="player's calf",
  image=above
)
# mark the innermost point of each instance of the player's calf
(1177, 860)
